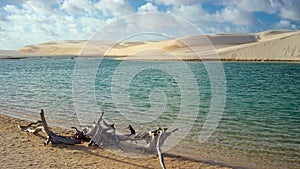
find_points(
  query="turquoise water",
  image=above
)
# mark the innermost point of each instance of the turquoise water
(259, 128)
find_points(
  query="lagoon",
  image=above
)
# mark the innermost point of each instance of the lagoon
(259, 127)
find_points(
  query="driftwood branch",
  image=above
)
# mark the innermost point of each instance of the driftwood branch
(103, 134)
(161, 158)
(92, 132)
(37, 127)
(81, 135)
(54, 138)
(51, 137)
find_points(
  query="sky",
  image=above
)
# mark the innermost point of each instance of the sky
(25, 22)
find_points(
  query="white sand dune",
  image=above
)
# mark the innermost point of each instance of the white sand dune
(55, 48)
(264, 46)
(9, 54)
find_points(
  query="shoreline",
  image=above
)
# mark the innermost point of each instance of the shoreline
(151, 60)
(21, 149)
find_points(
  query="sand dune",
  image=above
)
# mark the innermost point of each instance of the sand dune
(264, 46)
(11, 54)
(55, 48)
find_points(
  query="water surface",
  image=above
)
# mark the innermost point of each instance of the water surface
(259, 127)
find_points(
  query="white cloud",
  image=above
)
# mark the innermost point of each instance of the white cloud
(147, 26)
(276, 4)
(198, 16)
(27, 22)
(293, 26)
(11, 9)
(148, 7)
(239, 11)
(234, 16)
(40, 7)
(17, 1)
(283, 24)
(3, 18)
(91, 26)
(250, 5)
(178, 2)
(291, 10)
(40, 21)
(78, 6)
(116, 8)
(287, 9)
(192, 13)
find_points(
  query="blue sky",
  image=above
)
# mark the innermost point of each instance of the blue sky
(25, 22)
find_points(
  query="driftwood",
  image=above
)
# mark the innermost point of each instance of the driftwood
(34, 127)
(161, 158)
(54, 138)
(103, 134)
(51, 137)
(80, 135)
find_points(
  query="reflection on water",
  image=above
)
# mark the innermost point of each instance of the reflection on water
(259, 127)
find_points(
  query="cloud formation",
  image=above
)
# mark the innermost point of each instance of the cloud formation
(24, 22)
(148, 7)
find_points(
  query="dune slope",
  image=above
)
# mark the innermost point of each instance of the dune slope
(264, 46)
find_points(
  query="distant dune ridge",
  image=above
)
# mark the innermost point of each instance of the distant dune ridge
(264, 46)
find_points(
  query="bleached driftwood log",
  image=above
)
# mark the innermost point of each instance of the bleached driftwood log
(154, 139)
(92, 132)
(51, 137)
(160, 156)
(103, 134)
(54, 138)
(33, 128)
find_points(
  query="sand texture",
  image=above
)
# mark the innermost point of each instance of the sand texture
(25, 150)
(265, 46)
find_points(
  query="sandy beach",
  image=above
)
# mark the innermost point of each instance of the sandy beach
(25, 150)
(269, 45)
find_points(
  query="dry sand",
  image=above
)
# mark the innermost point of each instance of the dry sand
(265, 46)
(25, 150)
